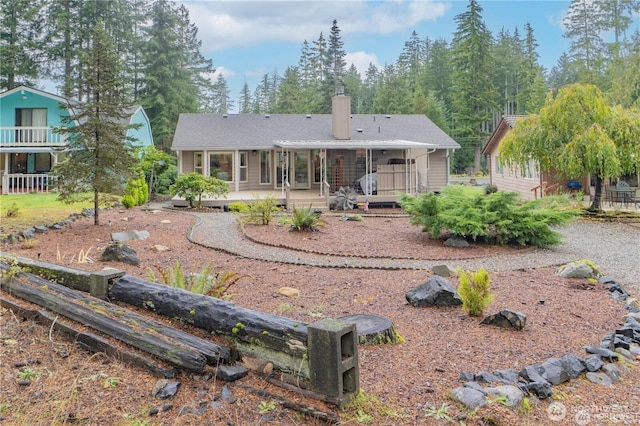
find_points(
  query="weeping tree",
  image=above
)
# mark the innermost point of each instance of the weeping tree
(577, 132)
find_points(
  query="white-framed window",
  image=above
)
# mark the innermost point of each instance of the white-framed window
(499, 167)
(265, 167)
(197, 162)
(244, 166)
(531, 169)
(221, 165)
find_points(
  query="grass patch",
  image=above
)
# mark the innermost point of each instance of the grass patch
(32, 208)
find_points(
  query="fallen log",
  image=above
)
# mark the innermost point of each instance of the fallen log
(88, 341)
(270, 337)
(128, 327)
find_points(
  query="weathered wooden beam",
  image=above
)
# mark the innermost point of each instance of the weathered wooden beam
(112, 320)
(277, 339)
(88, 341)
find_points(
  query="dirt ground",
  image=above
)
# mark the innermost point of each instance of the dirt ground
(403, 384)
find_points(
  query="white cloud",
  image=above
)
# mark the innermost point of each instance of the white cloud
(233, 24)
(361, 60)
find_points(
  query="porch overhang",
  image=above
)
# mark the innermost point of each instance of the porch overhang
(32, 149)
(352, 144)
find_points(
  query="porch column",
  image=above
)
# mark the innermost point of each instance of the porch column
(5, 174)
(236, 170)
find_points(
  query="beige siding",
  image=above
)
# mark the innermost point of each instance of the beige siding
(438, 173)
(187, 161)
(506, 179)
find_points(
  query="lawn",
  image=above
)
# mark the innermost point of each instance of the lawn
(18, 212)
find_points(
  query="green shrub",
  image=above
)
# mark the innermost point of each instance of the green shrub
(136, 193)
(13, 210)
(192, 186)
(496, 218)
(262, 210)
(239, 207)
(305, 219)
(128, 201)
(475, 291)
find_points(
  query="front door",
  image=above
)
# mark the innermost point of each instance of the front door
(300, 169)
(293, 167)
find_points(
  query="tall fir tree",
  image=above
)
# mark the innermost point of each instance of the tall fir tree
(99, 155)
(168, 86)
(473, 89)
(584, 23)
(20, 42)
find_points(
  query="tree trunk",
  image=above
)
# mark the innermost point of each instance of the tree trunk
(213, 314)
(168, 344)
(596, 204)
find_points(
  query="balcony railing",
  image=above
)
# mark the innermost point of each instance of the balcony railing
(25, 183)
(30, 137)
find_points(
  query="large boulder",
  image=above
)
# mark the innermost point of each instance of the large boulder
(506, 319)
(435, 292)
(120, 252)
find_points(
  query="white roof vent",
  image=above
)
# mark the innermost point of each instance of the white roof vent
(359, 130)
(308, 115)
(224, 116)
(267, 116)
(387, 116)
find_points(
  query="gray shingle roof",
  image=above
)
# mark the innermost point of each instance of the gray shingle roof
(255, 131)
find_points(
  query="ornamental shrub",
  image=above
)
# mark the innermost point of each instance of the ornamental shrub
(475, 291)
(262, 210)
(495, 218)
(305, 219)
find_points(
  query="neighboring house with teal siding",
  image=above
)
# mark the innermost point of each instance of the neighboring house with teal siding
(29, 145)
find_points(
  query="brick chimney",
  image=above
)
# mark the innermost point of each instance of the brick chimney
(341, 114)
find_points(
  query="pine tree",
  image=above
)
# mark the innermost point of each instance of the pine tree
(531, 95)
(99, 155)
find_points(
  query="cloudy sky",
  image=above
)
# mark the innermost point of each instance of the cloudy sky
(247, 39)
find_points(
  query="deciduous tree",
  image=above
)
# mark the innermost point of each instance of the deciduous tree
(576, 133)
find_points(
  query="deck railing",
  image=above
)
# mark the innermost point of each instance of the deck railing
(30, 136)
(23, 183)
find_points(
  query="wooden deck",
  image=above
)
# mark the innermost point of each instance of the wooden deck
(296, 197)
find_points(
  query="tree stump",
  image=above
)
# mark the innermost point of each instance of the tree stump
(373, 329)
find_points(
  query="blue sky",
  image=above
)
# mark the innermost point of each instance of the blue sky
(246, 39)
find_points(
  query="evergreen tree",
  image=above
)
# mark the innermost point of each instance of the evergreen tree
(169, 89)
(473, 89)
(290, 100)
(584, 22)
(353, 87)
(617, 17)
(369, 85)
(563, 73)
(531, 95)
(335, 65)
(245, 99)
(99, 155)
(20, 45)
(437, 75)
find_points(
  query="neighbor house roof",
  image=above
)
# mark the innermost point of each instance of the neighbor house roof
(506, 123)
(255, 131)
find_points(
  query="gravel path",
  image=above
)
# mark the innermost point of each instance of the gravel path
(614, 247)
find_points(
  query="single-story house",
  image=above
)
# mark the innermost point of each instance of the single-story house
(29, 146)
(306, 158)
(530, 183)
